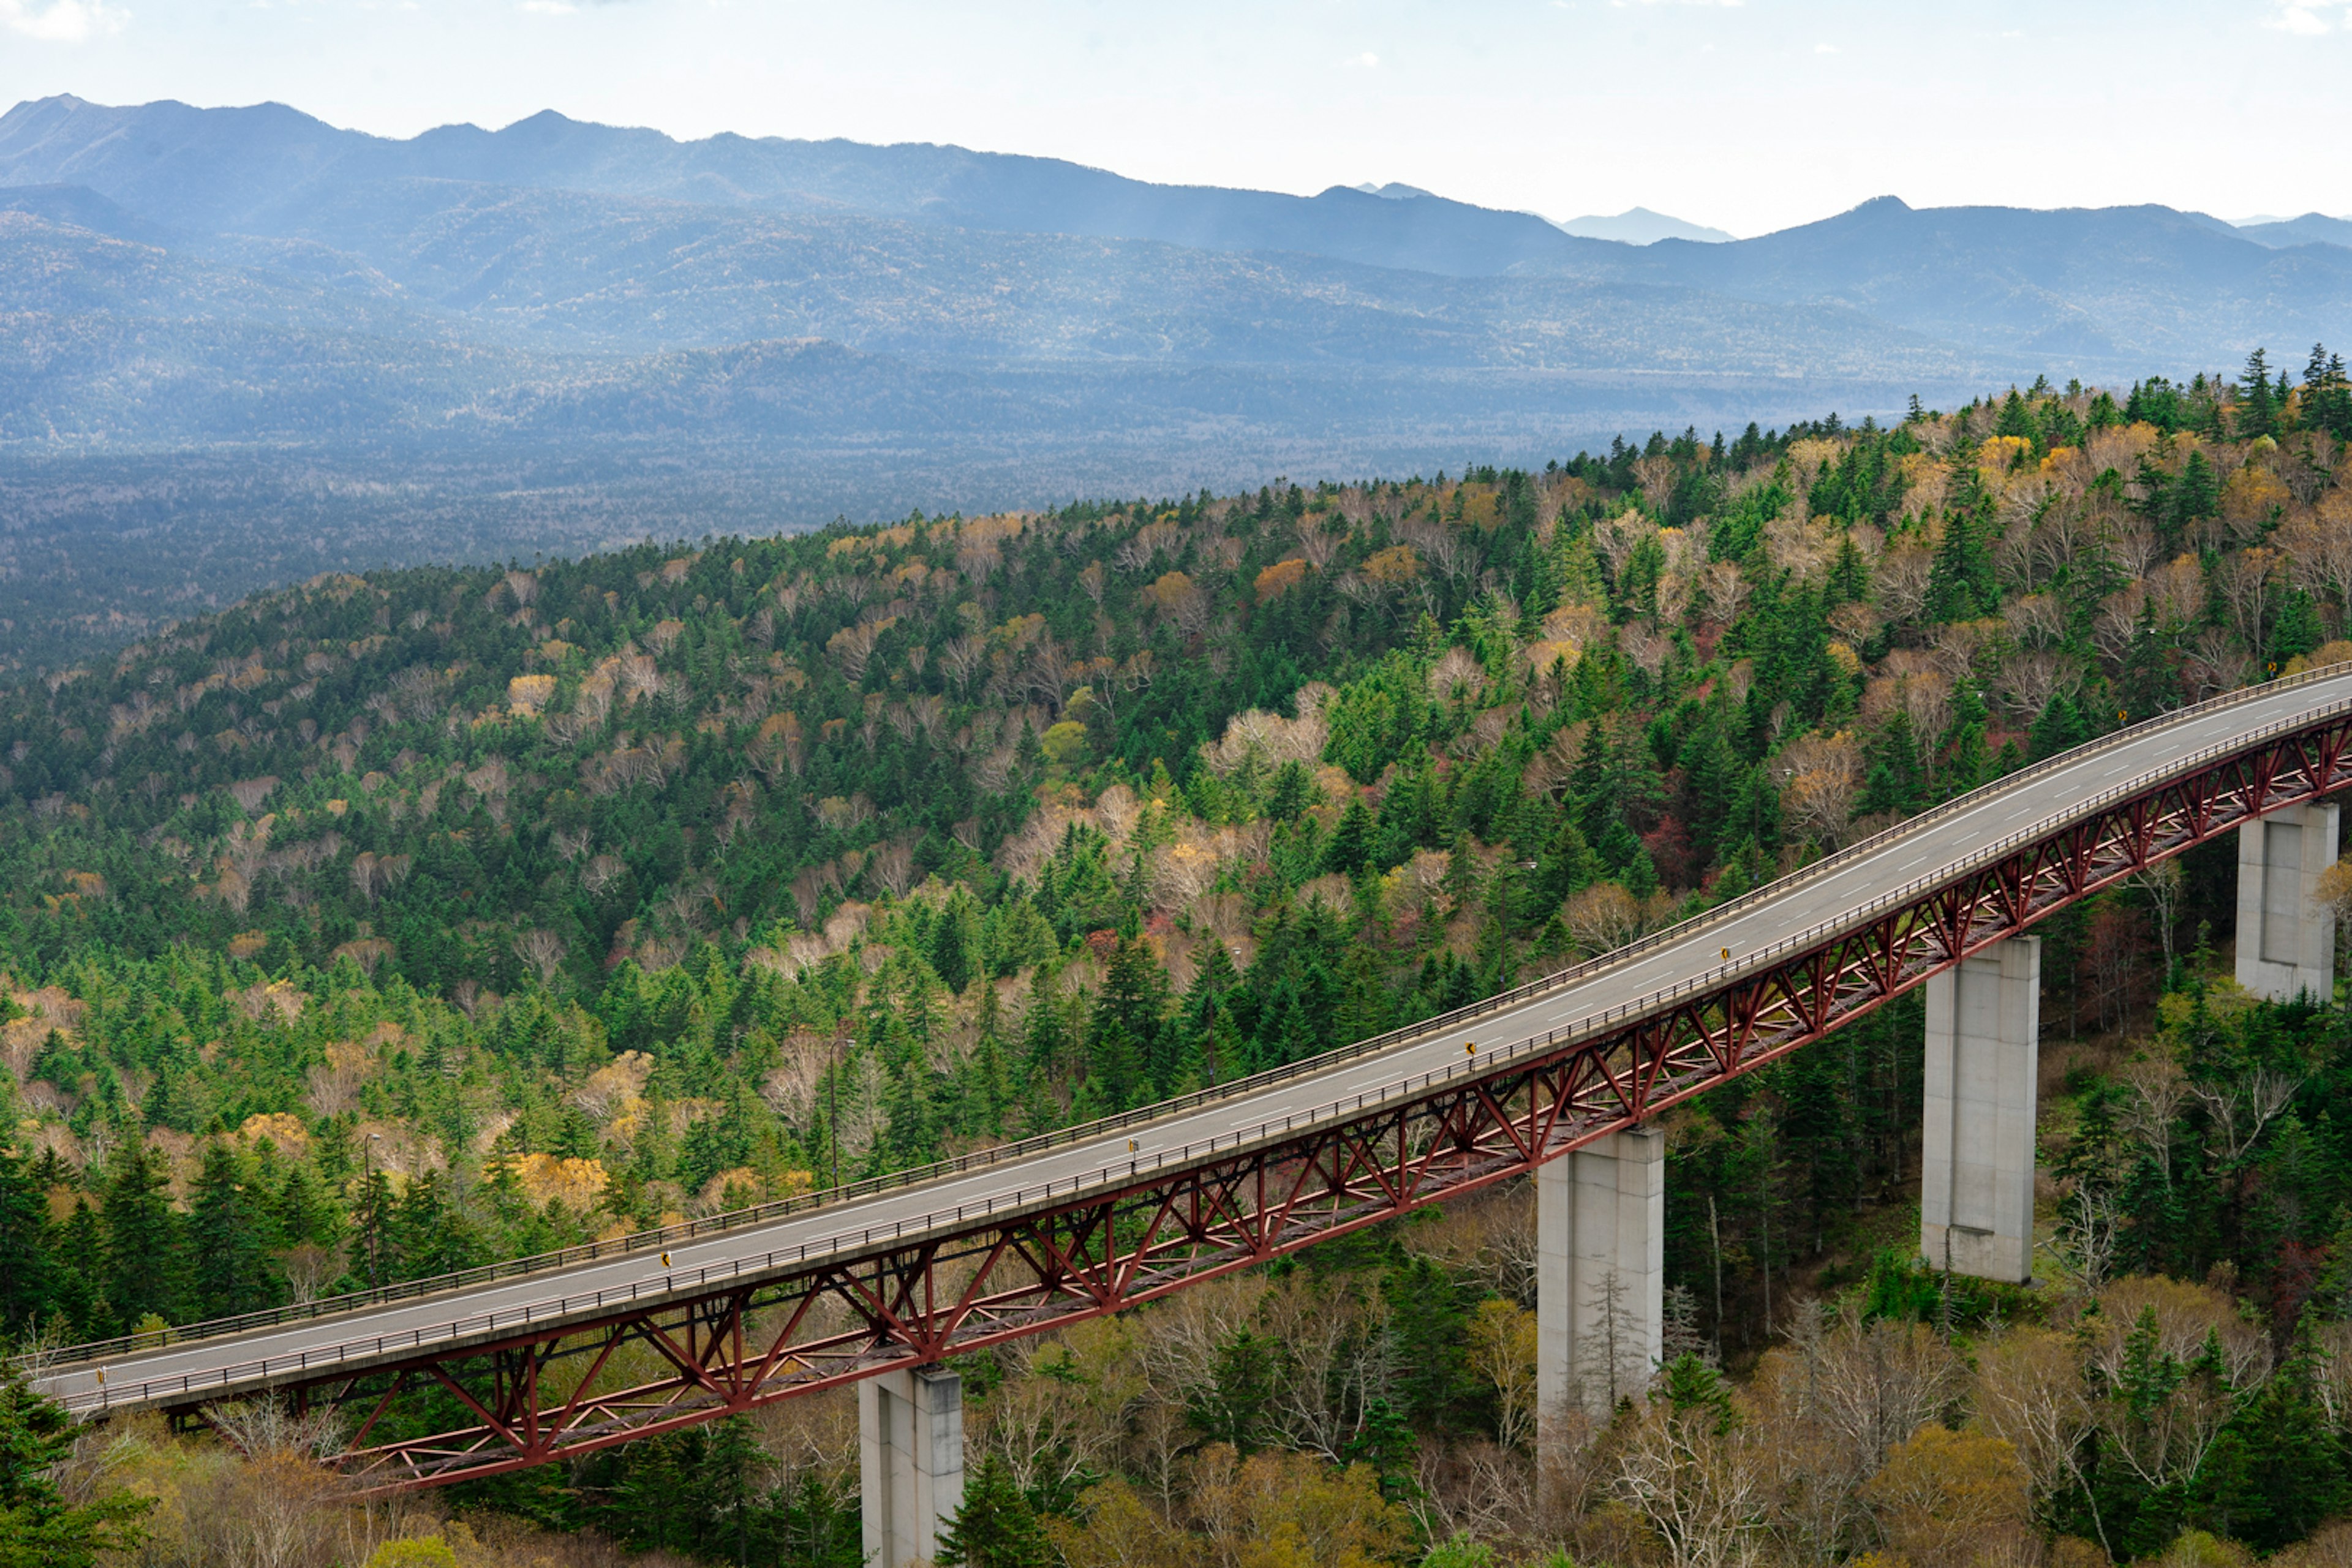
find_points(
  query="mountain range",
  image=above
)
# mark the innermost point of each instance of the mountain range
(552, 237)
(845, 327)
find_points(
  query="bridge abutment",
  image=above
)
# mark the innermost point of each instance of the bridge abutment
(909, 1463)
(1976, 1177)
(1600, 1231)
(2287, 937)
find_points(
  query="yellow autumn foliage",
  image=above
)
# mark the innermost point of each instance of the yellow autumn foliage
(2251, 498)
(283, 1128)
(1998, 453)
(545, 1178)
(1279, 579)
(526, 694)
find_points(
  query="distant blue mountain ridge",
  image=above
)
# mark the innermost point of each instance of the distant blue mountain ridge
(2311, 228)
(457, 269)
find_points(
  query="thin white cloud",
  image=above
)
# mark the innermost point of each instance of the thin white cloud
(549, 7)
(2305, 18)
(1825, 48)
(1365, 61)
(61, 21)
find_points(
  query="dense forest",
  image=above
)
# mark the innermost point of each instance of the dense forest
(395, 922)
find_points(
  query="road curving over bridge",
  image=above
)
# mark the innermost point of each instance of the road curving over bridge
(547, 1358)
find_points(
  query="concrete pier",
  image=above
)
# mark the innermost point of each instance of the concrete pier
(1600, 1223)
(911, 1463)
(1976, 1182)
(2286, 940)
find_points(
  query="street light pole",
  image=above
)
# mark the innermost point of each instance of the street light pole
(375, 1207)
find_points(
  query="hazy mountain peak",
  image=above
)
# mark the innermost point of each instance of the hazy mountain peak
(2311, 228)
(1640, 225)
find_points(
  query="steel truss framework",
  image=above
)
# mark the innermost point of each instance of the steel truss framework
(556, 1392)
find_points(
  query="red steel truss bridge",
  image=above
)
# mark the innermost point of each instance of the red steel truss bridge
(548, 1358)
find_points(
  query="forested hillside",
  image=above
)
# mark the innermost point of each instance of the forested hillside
(392, 923)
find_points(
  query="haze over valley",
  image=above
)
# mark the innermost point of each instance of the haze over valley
(287, 347)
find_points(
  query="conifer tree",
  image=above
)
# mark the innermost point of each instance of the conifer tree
(996, 1526)
(147, 1270)
(2257, 411)
(2196, 495)
(1892, 781)
(2059, 728)
(1960, 584)
(1128, 1043)
(27, 1286)
(727, 1475)
(38, 1529)
(226, 1230)
(1350, 847)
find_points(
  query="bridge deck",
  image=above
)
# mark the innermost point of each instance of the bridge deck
(360, 1338)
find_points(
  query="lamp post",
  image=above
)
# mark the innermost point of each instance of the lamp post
(375, 1214)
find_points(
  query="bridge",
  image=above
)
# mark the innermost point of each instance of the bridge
(877, 1282)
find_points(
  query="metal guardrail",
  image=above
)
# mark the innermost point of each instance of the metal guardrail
(684, 1282)
(669, 1236)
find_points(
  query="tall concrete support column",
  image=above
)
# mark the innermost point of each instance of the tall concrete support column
(1976, 1178)
(909, 1463)
(2286, 940)
(1601, 1235)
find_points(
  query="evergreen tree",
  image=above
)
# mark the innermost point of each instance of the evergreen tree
(995, 1528)
(1127, 1041)
(2151, 672)
(27, 1282)
(811, 1528)
(2197, 494)
(379, 1251)
(81, 1274)
(2059, 728)
(958, 941)
(1292, 791)
(38, 1529)
(1960, 583)
(1350, 846)
(2278, 1467)
(1893, 780)
(147, 1271)
(910, 1131)
(431, 1233)
(1696, 1389)
(226, 1229)
(2327, 400)
(2298, 630)
(731, 1460)
(2257, 410)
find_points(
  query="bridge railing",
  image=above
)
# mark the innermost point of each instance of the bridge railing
(668, 1237)
(671, 1283)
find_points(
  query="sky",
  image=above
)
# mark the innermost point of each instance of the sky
(1749, 115)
